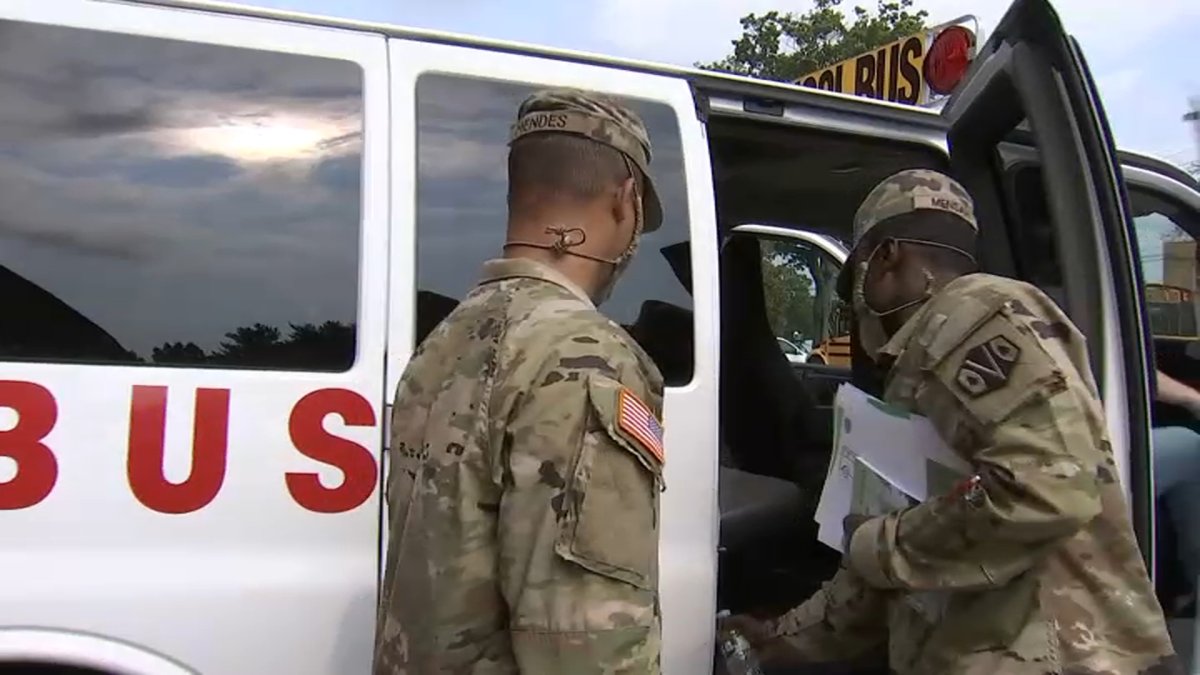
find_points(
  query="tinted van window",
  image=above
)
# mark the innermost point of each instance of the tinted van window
(171, 203)
(462, 182)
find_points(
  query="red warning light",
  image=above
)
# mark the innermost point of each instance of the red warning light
(948, 59)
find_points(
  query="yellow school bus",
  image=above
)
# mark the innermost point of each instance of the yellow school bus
(917, 69)
(834, 350)
(1172, 311)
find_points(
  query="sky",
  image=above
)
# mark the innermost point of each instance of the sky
(1142, 54)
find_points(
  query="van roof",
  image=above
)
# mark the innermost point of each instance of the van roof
(782, 89)
(710, 81)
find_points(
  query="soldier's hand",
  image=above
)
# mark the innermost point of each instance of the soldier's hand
(849, 524)
(771, 650)
(756, 631)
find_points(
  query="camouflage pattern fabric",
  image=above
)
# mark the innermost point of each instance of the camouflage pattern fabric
(523, 511)
(599, 118)
(913, 190)
(1028, 567)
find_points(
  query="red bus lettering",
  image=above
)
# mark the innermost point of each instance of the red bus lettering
(306, 427)
(147, 432)
(37, 469)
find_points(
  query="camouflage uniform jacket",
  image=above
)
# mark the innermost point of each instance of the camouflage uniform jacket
(1028, 567)
(523, 510)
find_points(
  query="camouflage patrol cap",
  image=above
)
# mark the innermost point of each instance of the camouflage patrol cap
(599, 118)
(908, 192)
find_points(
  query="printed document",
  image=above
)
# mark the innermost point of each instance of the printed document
(884, 459)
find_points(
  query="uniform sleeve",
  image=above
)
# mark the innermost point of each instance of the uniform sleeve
(1030, 431)
(578, 522)
(844, 621)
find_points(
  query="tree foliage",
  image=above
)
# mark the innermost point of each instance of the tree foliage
(784, 45)
(788, 292)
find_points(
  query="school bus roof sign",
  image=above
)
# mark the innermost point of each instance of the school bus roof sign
(918, 69)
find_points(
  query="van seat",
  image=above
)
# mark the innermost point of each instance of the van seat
(664, 330)
(432, 309)
(754, 507)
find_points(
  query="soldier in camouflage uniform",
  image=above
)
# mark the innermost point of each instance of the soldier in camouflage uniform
(526, 453)
(1029, 566)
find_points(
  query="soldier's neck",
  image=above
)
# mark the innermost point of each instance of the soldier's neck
(590, 275)
(893, 322)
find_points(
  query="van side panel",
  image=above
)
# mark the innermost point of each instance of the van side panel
(193, 254)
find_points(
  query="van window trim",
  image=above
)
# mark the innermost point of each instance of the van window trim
(1166, 186)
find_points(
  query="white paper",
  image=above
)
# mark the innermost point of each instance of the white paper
(884, 459)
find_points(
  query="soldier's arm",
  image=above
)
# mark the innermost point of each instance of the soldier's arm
(1174, 392)
(1038, 463)
(578, 523)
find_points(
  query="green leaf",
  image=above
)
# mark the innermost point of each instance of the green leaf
(784, 46)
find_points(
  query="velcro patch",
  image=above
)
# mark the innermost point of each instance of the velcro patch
(987, 367)
(637, 421)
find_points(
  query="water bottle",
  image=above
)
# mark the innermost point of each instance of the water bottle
(738, 655)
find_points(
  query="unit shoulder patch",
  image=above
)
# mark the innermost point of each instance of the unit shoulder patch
(987, 366)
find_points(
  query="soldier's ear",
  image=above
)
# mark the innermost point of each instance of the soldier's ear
(624, 205)
(889, 255)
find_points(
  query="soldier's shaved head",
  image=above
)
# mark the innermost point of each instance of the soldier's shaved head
(580, 195)
(603, 124)
(562, 166)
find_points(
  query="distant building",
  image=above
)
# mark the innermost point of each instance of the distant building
(1179, 264)
(1194, 118)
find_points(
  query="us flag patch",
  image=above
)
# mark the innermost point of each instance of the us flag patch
(636, 419)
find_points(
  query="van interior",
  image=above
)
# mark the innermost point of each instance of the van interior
(1177, 354)
(777, 414)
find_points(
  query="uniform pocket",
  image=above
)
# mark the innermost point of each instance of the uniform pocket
(1012, 618)
(611, 526)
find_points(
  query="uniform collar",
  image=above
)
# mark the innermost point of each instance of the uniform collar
(899, 340)
(524, 268)
(895, 346)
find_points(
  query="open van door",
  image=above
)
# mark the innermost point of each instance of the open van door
(1031, 74)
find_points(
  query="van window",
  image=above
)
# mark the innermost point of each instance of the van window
(462, 186)
(172, 203)
(798, 289)
(1032, 232)
(1169, 265)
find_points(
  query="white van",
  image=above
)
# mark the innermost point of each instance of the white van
(223, 230)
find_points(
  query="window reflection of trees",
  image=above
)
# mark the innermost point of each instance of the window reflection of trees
(43, 327)
(328, 346)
